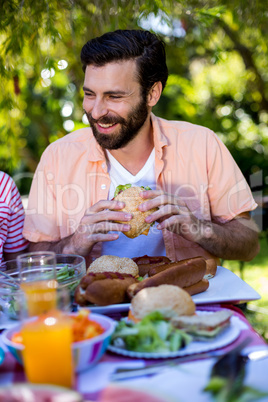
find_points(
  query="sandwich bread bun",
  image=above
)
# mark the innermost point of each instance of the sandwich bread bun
(205, 326)
(112, 263)
(132, 200)
(171, 301)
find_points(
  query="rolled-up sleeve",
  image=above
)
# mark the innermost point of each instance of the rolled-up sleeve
(229, 192)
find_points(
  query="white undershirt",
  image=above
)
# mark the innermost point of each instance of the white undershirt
(153, 243)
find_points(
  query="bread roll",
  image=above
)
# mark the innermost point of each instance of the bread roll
(170, 300)
(112, 263)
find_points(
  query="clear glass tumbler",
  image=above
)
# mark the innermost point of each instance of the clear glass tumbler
(37, 273)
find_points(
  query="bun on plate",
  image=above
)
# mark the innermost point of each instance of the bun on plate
(112, 263)
(130, 196)
(170, 300)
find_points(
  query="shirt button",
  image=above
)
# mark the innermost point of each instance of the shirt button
(103, 186)
(103, 165)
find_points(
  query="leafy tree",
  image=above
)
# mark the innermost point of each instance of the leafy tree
(217, 57)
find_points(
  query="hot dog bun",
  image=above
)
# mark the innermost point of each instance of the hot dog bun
(146, 262)
(147, 265)
(144, 269)
(147, 259)
(211, 268)
(109, 291)
(180, 273)
(170, 300)
(198, 287)
(103, 288)
(132, 200)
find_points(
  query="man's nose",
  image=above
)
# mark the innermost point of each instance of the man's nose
(99, 109)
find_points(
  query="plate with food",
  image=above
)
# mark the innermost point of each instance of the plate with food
(163, 323)
(224, 286)
(112, 280)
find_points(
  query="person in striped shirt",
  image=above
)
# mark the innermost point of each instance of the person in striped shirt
(12, 241)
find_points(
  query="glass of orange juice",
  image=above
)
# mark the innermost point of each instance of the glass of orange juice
(47, 340)
(37, 272)
(46, 327)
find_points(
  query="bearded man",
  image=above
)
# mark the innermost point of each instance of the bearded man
(202, 199)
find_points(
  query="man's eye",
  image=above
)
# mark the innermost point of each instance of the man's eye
(115, 97)
(88, 94)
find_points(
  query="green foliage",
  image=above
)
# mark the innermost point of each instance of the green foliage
(218, 70)
(256, 275)
(35, 37)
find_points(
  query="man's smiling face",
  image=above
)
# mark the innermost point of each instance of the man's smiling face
(113, 103)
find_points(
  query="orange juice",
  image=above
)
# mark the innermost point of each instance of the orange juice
(41, 296)
(47, 350)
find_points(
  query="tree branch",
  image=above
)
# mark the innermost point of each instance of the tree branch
(247, 56)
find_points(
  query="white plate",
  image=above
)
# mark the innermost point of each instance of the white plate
(224, 287)
(224, 338)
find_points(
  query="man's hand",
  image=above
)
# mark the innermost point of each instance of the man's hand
(236, 239)
(172, 214)
(96, 224)
(94, 227)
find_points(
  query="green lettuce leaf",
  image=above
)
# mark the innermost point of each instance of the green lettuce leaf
(152, 334)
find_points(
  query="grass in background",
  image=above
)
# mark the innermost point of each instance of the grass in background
(255, 273)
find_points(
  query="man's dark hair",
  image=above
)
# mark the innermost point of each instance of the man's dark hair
(143, 46)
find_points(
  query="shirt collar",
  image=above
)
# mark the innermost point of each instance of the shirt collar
(160, 140)
(97, 154)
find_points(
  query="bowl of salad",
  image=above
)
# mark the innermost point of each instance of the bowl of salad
(70, 269)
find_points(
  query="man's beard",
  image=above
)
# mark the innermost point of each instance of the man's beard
(129, 127)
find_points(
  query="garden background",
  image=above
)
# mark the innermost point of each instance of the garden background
(218, 62)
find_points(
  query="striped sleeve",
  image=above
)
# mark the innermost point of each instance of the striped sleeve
(11, 217)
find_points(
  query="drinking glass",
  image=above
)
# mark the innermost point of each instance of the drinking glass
(37, 273)
(47, 340)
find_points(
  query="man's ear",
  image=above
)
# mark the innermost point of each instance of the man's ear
(154, 94)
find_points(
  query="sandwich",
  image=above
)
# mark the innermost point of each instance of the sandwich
(132, 199)
(171, 301)
(205, 326)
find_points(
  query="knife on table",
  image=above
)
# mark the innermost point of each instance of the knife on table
(125, 373)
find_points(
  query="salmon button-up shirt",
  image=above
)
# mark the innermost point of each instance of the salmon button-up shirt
(190, 162)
